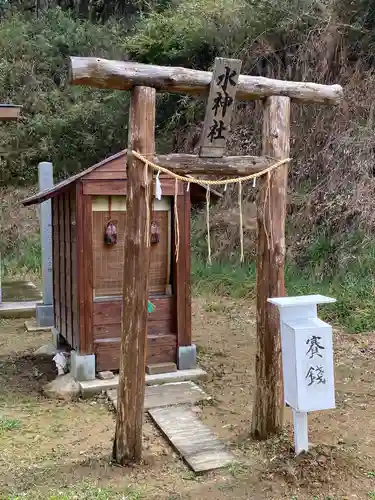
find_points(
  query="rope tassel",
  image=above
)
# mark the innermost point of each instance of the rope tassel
(148, 215)
(207, 183)
(241, 220)
(208, 225)
(176, 220)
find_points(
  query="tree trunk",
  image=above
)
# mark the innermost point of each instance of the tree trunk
(268, 406)
(127, 446)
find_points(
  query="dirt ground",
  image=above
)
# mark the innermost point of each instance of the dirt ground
(56, 450)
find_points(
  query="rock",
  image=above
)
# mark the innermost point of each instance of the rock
(105, 375)
(63, 387)
(321, 459)
(46, 350)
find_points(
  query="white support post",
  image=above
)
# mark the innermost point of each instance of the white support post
(44, 312)
(301, 433)
(307, 355)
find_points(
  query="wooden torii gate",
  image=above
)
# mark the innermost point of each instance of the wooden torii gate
(143, 81)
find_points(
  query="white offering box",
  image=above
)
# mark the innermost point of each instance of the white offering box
(307, 356)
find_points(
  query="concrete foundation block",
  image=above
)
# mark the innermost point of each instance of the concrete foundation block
(31, 326)
(44, 315)
(82, 367)
(107, 375)
(187, 357)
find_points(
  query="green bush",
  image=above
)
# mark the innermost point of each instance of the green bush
(194, 32)
(72, 126)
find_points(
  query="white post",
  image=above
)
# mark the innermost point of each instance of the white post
(44, 313)
(307, 356)
(301, 433)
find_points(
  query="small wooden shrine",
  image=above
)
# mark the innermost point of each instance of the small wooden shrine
(88, 234)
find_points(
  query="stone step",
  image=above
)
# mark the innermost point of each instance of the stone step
(91, 387)
(167, 395)
(18, 309)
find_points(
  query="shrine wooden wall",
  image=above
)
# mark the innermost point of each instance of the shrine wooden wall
(64, 251)
(161, 337)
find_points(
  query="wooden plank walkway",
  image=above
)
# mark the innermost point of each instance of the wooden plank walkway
(195, 442)
(167, 394)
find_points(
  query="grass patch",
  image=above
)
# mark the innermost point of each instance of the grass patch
(226, 279)
(237, 470)
(26, 260)
(8, 424)
(345, 273)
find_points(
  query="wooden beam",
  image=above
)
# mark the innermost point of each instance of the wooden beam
(228, 165)
(9, 112)
(124, 75)
(127, 446)
(269, 400)
(120, 188)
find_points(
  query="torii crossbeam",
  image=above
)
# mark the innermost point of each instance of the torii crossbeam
(143, 81)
